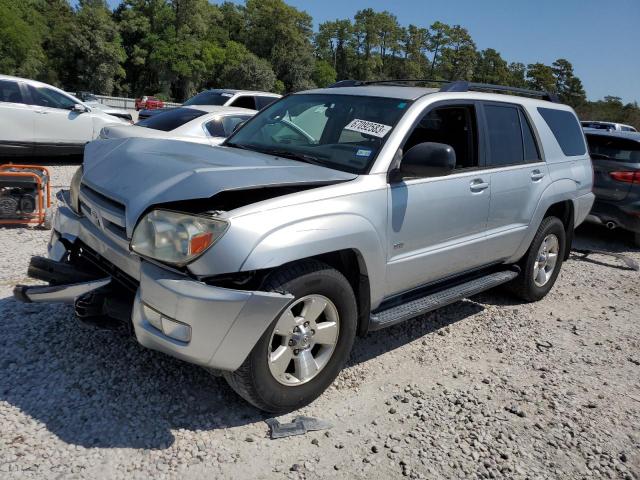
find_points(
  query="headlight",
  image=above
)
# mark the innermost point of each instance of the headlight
(175, 238)
(74, 190)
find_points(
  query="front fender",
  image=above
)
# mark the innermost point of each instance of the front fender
(316, 236)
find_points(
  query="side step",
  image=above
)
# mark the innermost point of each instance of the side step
(433, 301)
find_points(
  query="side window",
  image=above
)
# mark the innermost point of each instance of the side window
(10, 92)
(505, 135)
(244, 102)
(452, 125)
(45, 97)
(565, 127)
(262, 102)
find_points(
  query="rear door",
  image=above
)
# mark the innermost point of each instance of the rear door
(519, 176)
(612, 157)
(16, 120)
(57, 125)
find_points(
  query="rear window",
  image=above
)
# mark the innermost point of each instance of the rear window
(172, 119)
(209, 98)
(611, 148)
(566, 129)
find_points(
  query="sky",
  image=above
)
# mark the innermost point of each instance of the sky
(600, 38)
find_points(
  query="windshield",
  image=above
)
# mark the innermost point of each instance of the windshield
(344, 132)
(171, 119)
(209, 98)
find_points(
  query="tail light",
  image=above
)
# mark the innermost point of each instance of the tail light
(626, 177)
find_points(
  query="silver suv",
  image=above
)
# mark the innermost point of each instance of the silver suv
(331, 213)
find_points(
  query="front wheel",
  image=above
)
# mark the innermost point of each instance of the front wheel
(541, 264)
(304, 349)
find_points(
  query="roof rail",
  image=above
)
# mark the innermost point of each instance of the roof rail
(464, 86)
(452, 86)
(396, 81)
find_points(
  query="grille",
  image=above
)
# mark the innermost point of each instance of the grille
(105, 213)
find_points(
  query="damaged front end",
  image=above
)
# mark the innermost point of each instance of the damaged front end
(166, 309)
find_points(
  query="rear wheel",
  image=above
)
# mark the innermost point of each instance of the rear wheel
(541, 264)
(636, 239)
(304, 349)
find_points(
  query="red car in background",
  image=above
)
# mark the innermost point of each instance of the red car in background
(148, 103)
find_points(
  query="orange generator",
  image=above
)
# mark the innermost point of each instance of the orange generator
(25, 195)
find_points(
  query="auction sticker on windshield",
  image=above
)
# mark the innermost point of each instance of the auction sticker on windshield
(369, 128)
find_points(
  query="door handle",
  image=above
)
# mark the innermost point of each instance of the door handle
(478, 185)
(537, 175)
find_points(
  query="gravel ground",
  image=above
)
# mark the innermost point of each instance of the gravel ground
(486, 388)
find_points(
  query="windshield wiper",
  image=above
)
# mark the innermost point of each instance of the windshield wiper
(237, 145)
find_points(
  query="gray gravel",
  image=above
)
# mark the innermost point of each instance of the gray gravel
(486, 388)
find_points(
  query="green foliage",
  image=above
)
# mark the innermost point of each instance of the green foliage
(178, 47)
(323, 74)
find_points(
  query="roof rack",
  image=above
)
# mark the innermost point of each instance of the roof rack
(464, 86)
(395, 81)
(453, 86)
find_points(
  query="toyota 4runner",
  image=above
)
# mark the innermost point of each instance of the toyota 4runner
(331, 213)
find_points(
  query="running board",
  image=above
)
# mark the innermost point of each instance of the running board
(433, 301)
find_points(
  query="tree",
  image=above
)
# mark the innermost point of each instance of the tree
(21, 35)
(568, 86)
(251, 73)
(438, 37)
(97, 47)
(281, 34)
(492, 68)
(517, 75)
(323, 74)
(541, 77)
(459, 55)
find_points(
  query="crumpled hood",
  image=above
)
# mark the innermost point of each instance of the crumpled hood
(139, 172)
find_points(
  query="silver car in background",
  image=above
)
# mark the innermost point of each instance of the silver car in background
(331, 213)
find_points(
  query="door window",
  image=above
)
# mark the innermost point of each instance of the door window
(452, 125)
(45, 97)
(505, 137)
(244, 102)
(10, 92)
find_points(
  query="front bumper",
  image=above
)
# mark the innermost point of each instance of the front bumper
(224, 324)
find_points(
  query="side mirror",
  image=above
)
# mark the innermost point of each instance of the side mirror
(79, 108)
(428, 159)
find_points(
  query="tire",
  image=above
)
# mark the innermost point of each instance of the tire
(525, 286)
(308, 280)
(636, 239)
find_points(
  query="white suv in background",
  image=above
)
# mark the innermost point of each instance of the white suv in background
(39, 119)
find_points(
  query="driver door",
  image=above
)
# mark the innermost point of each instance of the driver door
(56, 124)
(437, 224)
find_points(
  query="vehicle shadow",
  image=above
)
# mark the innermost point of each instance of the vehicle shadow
(100, 388)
